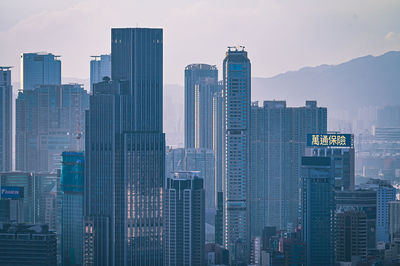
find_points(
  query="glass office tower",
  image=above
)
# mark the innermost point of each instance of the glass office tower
(125, 152)
(100, 67)
(72, 208)
(201, 82)
(39, 69)
(5, 119)
(318, 210)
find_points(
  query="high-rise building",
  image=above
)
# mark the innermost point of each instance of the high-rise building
(201, 82)
(22, 244)
(100, 67)
(26, 182)
(202, 160)
(351, 236)
(385, 193)
(12, 204)
(5, 119)
(278, 141)
(72, 208)
(237, 93)
(38, 193)
(39, 69)
(218, 139)
(216, 255)
(293, 248)
(394, 221)
(318, 209)
(184, 219)
(361, 200)
(255, 251)
(124, 155)
(340, 148)
(49, 120)
(174, 160)
(48, 200)
(219, 220)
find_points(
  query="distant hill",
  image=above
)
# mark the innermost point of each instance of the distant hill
(361, 82)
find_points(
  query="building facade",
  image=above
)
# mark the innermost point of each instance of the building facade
(278, 140)
(125, 153)
(361, 200)
(49, 120)
(27, 183)
(39, 69)
(201, 82)
(385, 193)
(394, 221)
(237, 95)
(72, 208)
(184, 219)
(218, 138)
(318, 210)
(6, 101)
(351, 236)
(100, 67)
(23, 244)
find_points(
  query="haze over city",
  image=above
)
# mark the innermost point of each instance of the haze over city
(199, 133)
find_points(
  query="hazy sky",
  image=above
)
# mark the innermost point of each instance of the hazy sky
(280, 35)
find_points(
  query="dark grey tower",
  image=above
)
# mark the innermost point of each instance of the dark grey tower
(201, 82)
(318, 210)
(184, 219)
(125, 151)
(5, 119)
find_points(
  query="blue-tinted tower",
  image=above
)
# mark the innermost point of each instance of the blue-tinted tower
(125, 153)
(5, 119)
(39, 69)
(318, 210)
(72, 171)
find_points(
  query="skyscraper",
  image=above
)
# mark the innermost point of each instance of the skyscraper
(5, 119)
(342, 155)
(394, 221)
(360, 200)
(184, 219)
(202, 160)
(385, 193)
(318, 210)
(351, 236)
(100, 67)
(237, 91)
(26, 181)
(72, 208)
(125, 152)
(49, 120)
(39, 69)
(278, 141)
(201, 82)
(22, 244)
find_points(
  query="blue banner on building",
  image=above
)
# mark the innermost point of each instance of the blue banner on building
(330, 140)
(12, 192)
